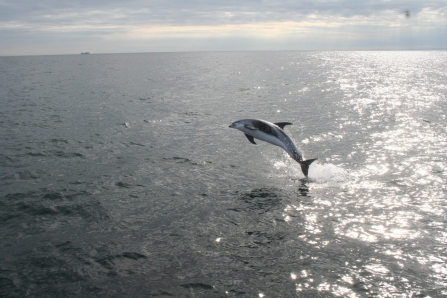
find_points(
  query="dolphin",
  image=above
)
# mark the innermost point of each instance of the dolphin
(272, 133)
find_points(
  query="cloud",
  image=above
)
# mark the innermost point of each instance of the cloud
(139, 23)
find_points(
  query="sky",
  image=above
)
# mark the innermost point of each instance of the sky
(47, 27)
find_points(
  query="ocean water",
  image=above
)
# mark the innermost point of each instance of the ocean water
(121, 178)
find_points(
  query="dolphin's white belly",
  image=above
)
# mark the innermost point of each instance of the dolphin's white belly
(285, 144)
(267, 138)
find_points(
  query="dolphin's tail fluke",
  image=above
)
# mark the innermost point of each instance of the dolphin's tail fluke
(305, 165)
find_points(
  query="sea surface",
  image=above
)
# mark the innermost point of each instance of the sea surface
(119, 175)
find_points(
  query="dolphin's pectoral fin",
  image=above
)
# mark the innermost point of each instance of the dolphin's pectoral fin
(250, 138)
(305, 165)
(250, 127)
(282, 124)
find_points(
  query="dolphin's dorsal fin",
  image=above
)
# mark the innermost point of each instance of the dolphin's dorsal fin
(250, 127)
(282, 124)
(250, 138)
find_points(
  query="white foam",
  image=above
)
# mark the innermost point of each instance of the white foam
(327, 173)
(320, 173)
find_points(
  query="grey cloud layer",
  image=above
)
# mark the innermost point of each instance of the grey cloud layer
(194, 12)
(105, 26)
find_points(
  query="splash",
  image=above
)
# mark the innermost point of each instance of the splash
(327, 173)
(320, 173)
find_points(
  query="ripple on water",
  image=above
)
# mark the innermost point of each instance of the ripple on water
(261, 200)
(65, 154)
(61, 266)
(44, 210)
(9, 161)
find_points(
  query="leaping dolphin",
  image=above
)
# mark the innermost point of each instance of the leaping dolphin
(272, 133)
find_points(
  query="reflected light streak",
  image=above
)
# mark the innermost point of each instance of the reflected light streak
(304, 274)
(396, 196)
(377, 269)
(334, 289)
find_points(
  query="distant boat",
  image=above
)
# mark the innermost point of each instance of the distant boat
(85, 53)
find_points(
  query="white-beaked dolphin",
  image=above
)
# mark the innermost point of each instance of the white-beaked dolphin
(272, 133)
